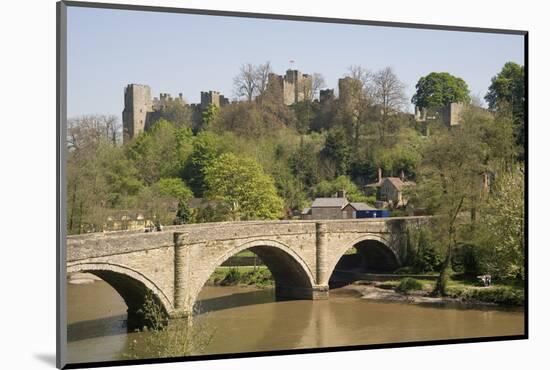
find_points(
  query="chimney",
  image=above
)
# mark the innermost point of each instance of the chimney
(402, 175)
(341, 194)
(379, 175)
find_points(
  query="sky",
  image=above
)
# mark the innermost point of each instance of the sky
(183, 53)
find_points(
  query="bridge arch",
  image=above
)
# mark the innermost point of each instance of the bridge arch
(372, 247)
(293, 277)
(130, 284)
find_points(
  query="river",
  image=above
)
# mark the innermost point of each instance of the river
(248, 319)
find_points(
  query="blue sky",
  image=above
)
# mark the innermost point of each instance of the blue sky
(173, 53)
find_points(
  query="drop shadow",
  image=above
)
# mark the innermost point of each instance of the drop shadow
(47, 358)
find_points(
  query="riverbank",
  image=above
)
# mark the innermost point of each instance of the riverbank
(258, 276)
(393, 290)
(458, 292)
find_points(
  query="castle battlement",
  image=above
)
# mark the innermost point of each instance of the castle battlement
(140, 110)
(293, 86)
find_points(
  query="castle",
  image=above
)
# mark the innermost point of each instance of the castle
(140, 111)
(293, 86)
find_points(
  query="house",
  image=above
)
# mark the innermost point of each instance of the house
(125, 220)
(334, 208)
(391, 190)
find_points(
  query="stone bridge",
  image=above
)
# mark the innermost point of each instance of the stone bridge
(174, 264)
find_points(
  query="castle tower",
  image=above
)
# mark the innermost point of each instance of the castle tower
(293, 86)
(137, 106)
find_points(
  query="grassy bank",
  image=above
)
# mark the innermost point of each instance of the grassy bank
(465, 290)
(242, 275)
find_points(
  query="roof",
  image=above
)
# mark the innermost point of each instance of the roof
(374, 184)
(360, 206)
(306, 211)
(397, 182)
(329, 202)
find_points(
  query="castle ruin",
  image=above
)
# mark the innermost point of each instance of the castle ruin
(138, 107)
(294, 86)
(140, 111)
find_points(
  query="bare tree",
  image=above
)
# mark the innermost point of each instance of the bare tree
(389, 93)
(361, 74)
(245, 82)
(90, 130)
(317, 83)
(262, 75)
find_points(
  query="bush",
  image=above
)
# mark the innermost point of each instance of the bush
(259, 277)
(498, 295)
(408, 284)
(467, 259)
(232, 277)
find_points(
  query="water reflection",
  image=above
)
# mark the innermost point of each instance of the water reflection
(248, 319)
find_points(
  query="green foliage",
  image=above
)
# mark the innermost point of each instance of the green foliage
(305, 112)
(173, 187)
(232, 277)
(304, 164)
(177, 113)
(506, 295)
(259, 276)
(336, 153)
(162, 339)
(408, 284)
(184, 214)
(507, 93)
(468, 260)
(243, 186)
(507, 89)
(438, 89)
(329, 188)
(209, 116)
(161, 151)
(424, 256)
(501, 231)
(207, 146)
(399, 158)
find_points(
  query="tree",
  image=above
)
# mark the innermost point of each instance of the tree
(502, 226)
(317, 83)
(449, 176)
(207, 146)
(336, 152)
(352, 104)
(245, 83)
(262, 73)
(329, 188)
(176, 112)
(304, 164)
(361, 74)
(91, 130)
(161, 151)
(243, 186)
(209, 116)
(439, 89)
(388, 93)
(99, 176)
(507, 92)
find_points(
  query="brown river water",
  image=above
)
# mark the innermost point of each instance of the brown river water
(248, 319)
